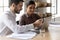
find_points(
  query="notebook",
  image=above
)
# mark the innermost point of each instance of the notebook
(23, 36)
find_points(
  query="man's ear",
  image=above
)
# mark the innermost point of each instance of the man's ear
(13, 5)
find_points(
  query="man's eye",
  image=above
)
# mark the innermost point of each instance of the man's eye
(30, 7)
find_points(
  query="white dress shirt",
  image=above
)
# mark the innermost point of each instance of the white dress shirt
(8, 24)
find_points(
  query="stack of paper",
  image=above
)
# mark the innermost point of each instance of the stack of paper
(55, 23)
(54, 27)
(27, 35)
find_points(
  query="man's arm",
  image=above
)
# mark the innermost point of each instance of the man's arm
(11, 24)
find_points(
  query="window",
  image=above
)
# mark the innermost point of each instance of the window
(53, 8)
(3, 5)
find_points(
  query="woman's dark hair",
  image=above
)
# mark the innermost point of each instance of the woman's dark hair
(30, 3)
(15, 2)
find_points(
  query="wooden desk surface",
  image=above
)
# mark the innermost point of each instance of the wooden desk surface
(44, 36)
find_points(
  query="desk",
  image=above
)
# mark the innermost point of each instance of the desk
(46, 36)
(38, 37)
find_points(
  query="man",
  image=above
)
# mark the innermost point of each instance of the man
(7, 20)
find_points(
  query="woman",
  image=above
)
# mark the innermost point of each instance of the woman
(29, 16)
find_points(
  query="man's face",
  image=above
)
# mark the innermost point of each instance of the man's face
(31, 9)
(18, 7)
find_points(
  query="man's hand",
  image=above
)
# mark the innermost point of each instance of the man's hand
(38, 23)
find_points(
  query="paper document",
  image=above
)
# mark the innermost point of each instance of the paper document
(53, 27)
(55, 23)
(27, 35)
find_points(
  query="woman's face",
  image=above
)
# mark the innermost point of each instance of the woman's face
(31, 9)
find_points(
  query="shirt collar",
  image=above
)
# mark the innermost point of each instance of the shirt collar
(26, 15)
(14, 15)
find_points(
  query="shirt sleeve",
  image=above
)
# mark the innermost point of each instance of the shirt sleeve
(11, 24)
(37, 16)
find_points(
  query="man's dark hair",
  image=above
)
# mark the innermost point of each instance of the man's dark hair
(15, 2)
(30, 3)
